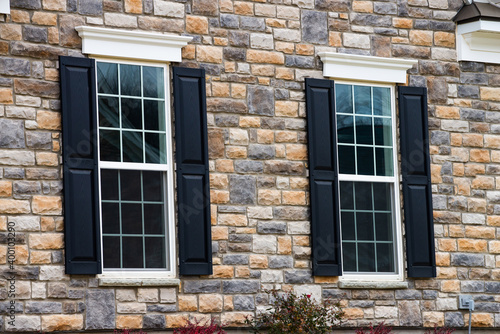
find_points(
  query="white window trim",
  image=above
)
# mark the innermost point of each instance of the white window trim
(396, 202)
(479, 41)
(171, 255)
(365, 68)
(4, 7)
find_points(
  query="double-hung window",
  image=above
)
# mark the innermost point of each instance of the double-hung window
(135, 167)
(368, 183)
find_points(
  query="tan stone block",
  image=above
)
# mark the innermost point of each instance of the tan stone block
(275, 23)
(296, 152)
(447, 245)
(335, 38)
(226, 6)
(53, 35)
(264, 70)
(220, 89)
(264, 81)
(492, 141)
(242, 272)
(40, 257)
(433, 149)
(22, 254)
(5, 188)
(12, 32)
(47, 224)
(230, 67)
(480, 232)
(269, 57)
(45, 19)
(209, 54)
(326, 279)
(472, 139)
(444, 39)
(220, 233)
(47, 205)
(284, 73)
(471, 245)
(228, 303)
(493, 221)
(218, 181)
(450, 286)
(446, 273)
(286, 136)
(285, 47)
(230, 219)
(483, 182)
(284, 245)
(300, 241)
(432, 319)
(249, 122)
(3, 254)
(304, 49)
(235, 319)
(473, 169)
(224, 166)
(48, 120)
(3, 223)
(456, 231)
(490, 93)
(286, 108)
(421, 37)
(351, 313)
(46, 241)
(213, 214)
(243, 8)
(61, 322)
(458, 169)
(442, 259)
(176, 320)
(400, 40)
(402, 23)
(197, 24)
(456, 139)
(58, 5)
(128, 321)
(210, 303)
(188, 303)
(47, 159)
(494, 247)
(220, 41)
(223, 271)
(478, 155)
(236, 152)
(133, 6)
(238, 91)
(269, 197)
(294, 197)
(219, 196)
(14, 206)
(436, 173)
(280, 151)
(258, 261)
(55, 146)
(480, 319)
(6, 96)
(20, 16)
(189, 52)
(265, 136)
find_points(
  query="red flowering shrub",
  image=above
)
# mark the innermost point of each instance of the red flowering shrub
(379, 329)
(442, 330)
(196, 327)
(290, 313)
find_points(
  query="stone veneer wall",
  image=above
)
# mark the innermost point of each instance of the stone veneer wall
(256, 54)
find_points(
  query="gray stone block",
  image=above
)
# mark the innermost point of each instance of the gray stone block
(227, 120)
(26, 4)
(235, 259)
(41, 140)
(12, 135)
(242, 189)
(162, 308)
(100, 309)
(261, 152)
(492, 287)
(408, 294)
(260, 100)
(467, 260)
(468, 91)
(472, 115)
(244, 166)
(298, 276)
(240, 286)
(229, 21)
(156, 321)
(440, 138)
(239, 38)
(243, 303)
(453, 319)
(90, 7)
(18, 67)
(235, 54)
(299, 61)
(253, 23)
(280, 261)
(202, 286)
(271, 227)
(35, 34)
(43, 307)
(314, 27)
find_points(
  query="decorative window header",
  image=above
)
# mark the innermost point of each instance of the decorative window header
(366, 68)
(479, 41)
(131, 44)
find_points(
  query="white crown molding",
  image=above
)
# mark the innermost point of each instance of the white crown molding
(4, 7)
(131, 44)
(479, 41)
(366, 68)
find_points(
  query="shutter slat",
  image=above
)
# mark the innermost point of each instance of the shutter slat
(79, 118)
(193, 191)
(417, 192)
(323, 180)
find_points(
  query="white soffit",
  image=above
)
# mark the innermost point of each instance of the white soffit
(479, 41)
(4, 7)
(131, 44)
(366, 68)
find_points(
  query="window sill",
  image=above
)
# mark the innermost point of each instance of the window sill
(109, 281)
(372, 285)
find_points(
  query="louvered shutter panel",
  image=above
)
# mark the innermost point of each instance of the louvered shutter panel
(417, 192)
(193, 190)
(81, 214)
(323, 177)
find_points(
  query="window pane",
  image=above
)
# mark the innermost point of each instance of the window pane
(363, 192)
(107, 78)
(346, 160)
(132, 146)
(153, 190)
(381, 101)
(385, 258)
(108, 112)
(155, 252)
(364, 130)
(155, 152)
(130, 80)
(363, 100)
(109, 184)
(366, 257)
(343, 98)
(364, 226)
(365, 160)
(384, 161)
(133, 252)
(382, 198)
(383, 226)
(131, 218)
(153, 219)
(111, 252)
(109, 145)
(111, 218)
(130, 183)
(154, 115)
(345, 129)
(349, 256)
(131, 114)
(348, 227)
(383, 131)
(153, 81)
(346, 195)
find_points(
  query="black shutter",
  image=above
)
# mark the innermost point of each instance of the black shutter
(81, 216)
(417, 192)
(193, 189)
(323, 177)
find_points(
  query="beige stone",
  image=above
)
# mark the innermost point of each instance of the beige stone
(128, 321)
(46, 241)
(133, 6)
(62, 322)
(209, 54)
(210, 303)
(188, 303)
(223, 271)
(197, 24)
(47, 205)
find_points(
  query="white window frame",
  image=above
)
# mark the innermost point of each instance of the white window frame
(396, 194)
(4, 7)
(167, 169)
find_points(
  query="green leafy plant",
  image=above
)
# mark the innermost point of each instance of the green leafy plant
(441, 330)
(290, 313)
(197, 327)
(379, 329)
